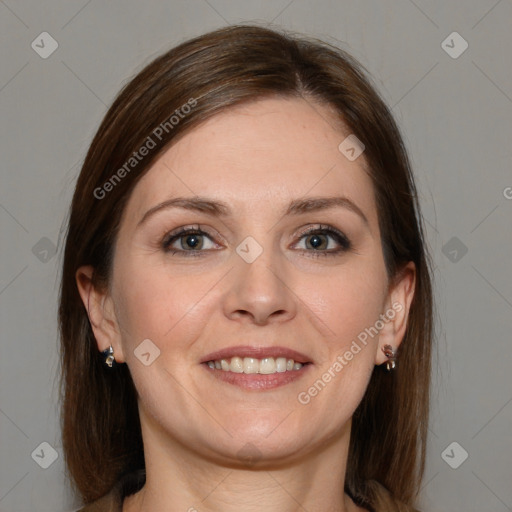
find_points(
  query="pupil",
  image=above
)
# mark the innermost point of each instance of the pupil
(194, 239)
(316, 241)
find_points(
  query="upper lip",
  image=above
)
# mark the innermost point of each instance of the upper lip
(256, 352)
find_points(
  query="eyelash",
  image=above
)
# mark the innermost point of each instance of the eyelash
(337, 235)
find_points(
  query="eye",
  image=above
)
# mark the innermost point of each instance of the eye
(192, 240)
(320, 241)
(324, 241)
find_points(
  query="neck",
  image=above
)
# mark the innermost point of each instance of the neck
(178, 478)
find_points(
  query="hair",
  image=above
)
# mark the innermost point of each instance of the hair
(231, 66)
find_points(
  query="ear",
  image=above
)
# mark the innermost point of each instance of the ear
(100, 309)
(396, 310)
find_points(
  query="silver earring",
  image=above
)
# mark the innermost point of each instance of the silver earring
(109, 356)
(391, 355)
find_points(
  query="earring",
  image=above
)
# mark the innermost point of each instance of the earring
(391, 354)
(109, 356)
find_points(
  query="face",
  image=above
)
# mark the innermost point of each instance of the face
(262, 272)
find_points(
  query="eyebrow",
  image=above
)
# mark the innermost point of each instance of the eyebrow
(218, 208)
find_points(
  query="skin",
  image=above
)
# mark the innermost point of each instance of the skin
(193, 424)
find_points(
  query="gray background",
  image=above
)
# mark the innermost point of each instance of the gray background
(455, 114)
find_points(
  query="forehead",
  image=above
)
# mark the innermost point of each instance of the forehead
(258, 156)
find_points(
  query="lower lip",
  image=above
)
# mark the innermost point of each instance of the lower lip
(257, 381)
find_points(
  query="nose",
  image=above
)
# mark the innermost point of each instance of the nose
(260, 292)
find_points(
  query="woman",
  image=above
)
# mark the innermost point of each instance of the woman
(246, 303)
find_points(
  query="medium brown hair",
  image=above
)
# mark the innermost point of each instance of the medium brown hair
(227, 67)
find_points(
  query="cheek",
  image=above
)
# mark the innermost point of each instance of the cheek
(346, 303)
(153, 304)
(348, 307)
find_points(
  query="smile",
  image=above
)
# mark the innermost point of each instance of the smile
(265, 366)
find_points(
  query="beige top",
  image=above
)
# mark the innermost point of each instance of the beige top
(113, 501)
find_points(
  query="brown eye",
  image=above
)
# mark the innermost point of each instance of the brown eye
(188, 240)
(325, 241)
(191, 241)
(317, 241)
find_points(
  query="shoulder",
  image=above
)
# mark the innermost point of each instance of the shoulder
(113, 500)
(385, 502)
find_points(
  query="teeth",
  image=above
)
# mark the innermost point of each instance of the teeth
(237, 365)
(281, 364)
(265, 366)
(251, 365)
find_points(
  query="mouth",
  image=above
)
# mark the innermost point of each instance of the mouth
(257, 368)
